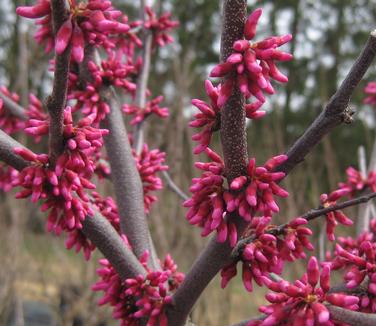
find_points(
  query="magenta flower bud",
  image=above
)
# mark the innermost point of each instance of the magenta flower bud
(241, 45)
(238, 183)
(251, 23)
(78, 43)
(221, 69)
(41, 9)
(63, 36)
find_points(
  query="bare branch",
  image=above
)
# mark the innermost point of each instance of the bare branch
(352, 318)
(126, 180)
(55, 103)
(106, 239)
(13, 107)
(312, 214)
(335, 112)
(174, 187)
(7, 145)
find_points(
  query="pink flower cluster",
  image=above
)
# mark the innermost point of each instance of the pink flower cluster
(159, 26)
(302, 302)
(335, 217)
(144, 296)
(356, 182)
(7, 175)
(208, 117)
(91, 22)
(61, 189)
(267, 252)
(9, 123)
(149, 162)
(140, 114)
(255, 192)
(370, 90)
(252, 64)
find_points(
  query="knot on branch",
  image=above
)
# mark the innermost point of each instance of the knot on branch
(347, 115)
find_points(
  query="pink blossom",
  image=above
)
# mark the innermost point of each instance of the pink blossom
(142, 296)
(9, 123)
(252, 65)
(88, 22)
(370, 90)
(334, 217)
(159, 26)
(303, 301)
(208, 117)
(149, 162)
(151, 107)
(7, 175)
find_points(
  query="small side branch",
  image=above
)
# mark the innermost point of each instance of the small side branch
(312, 214)
(335, 112)
(55, 103)
(13, 107)
(173, 186)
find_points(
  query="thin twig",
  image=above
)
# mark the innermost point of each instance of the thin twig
(174, 187)
(13, 108)
(142, 81)
(312, 214)
(55, 103)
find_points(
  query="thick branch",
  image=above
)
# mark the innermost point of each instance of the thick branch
(233, 139)
(96, 228)
(13, 107)
(7, 145)
(335, 112)
(352, 318)
(106, 239)
(55, 103)
(312, 214)
(126, 180)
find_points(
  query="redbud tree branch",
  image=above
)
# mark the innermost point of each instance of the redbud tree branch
(335, 112)
(126, 180)
(96, 228)
(215, 256)
(341, 315)
(13, 108)
(55, 103)
(142, 81)
(311, 215)
(234, 145)
(173, 186)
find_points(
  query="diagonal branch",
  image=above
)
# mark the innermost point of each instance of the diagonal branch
(14, 108)
(335, 112)
(126, 180)
(352, 318)
(96, 228)
(174, 187)
(55, 103)
(311, 215)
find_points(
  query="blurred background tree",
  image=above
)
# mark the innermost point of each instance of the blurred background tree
(38, 273)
